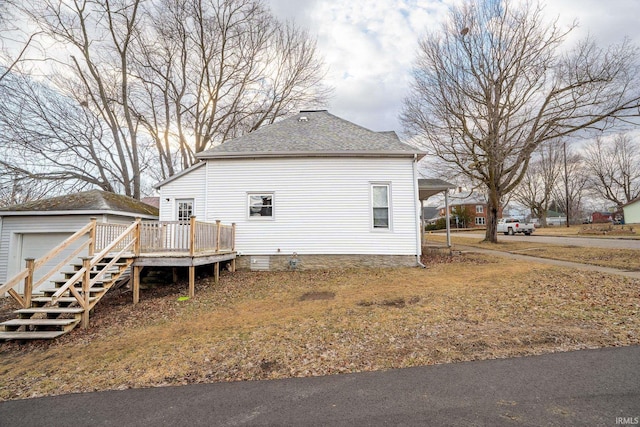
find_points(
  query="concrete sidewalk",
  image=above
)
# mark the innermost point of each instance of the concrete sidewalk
(588, 387)
(560, 263)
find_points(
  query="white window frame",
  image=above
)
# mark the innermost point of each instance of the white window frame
(260, 217)
(389, 226)
(193, 208)
(480, 220)
(479, 209)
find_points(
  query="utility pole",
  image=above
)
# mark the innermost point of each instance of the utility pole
(566, 181)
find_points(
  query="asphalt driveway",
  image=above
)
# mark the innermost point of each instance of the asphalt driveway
(588, 387)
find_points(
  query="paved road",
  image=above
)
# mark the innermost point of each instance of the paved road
(573, 241)
(588, 387)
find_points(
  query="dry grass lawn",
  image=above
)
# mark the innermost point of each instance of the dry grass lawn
(275, 325)
(624, 259)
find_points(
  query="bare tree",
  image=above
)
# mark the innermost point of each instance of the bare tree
(154, 82)
(15, 41)
(539, 181)
(98, 36)
(212, 70)
(571, 185)
(493, 84)
(614, 167)
(51, 138)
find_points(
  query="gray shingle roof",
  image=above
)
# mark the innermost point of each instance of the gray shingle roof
(93, 200)
(312, 133)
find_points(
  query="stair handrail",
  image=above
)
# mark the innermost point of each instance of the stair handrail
(110, 264)
(24, 274)
(61, 264)
(95, 260)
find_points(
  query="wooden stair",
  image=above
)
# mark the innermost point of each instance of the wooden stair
(50, 317)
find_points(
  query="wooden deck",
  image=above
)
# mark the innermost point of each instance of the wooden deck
(109, 252)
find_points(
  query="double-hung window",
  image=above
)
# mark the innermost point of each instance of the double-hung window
(260, 205)
(380, 205)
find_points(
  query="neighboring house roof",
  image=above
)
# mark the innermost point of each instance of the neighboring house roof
(469, 199)
(151, 201)
(430, 212)
(86, 202)
(312, 134)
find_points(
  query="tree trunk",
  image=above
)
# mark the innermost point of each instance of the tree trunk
(493, 207)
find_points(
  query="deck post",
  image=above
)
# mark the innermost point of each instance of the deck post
(136, 284)
(92, 236)
(174, 272)
(86, 283)
(136, 236)
(192, 235)
(192, 281)
(28, 282)
(233, 237)
(216, 273)
(233, 246)
(218, 229)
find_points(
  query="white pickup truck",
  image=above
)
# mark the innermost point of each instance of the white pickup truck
(512, 226)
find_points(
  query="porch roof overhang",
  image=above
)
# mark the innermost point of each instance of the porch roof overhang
(430, 187)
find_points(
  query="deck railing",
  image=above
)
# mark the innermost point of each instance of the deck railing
(191, 237)
(181, 236)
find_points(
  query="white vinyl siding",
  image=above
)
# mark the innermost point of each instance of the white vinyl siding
(191, 185)
(632, 213)
(321, 205)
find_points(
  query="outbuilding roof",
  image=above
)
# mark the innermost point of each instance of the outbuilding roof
(93, 201)
(312, 134)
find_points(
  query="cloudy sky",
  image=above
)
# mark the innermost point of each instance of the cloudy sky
(369, 45)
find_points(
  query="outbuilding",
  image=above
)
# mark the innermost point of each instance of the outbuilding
(32, 229)
(632, 212)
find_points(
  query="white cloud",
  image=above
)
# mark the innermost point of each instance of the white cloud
(370, 46)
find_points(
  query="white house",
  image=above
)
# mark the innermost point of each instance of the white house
(32, 229)
(310, 191)
(632, 212)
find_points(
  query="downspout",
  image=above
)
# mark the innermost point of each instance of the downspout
(417, 212)
(206, 191)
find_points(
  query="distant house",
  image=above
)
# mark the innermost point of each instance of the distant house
(553, 218)
(309, 191)
(472, 205)
(32, 229)
(601, 217)
(632, 212)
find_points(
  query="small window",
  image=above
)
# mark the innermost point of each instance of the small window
(479, 209)
(380, 198)
(185, 209)
(261, 205)
(480, 220)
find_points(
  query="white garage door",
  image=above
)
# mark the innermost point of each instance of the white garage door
(36, 245)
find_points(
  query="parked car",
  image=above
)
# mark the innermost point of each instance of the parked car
(512, 226)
